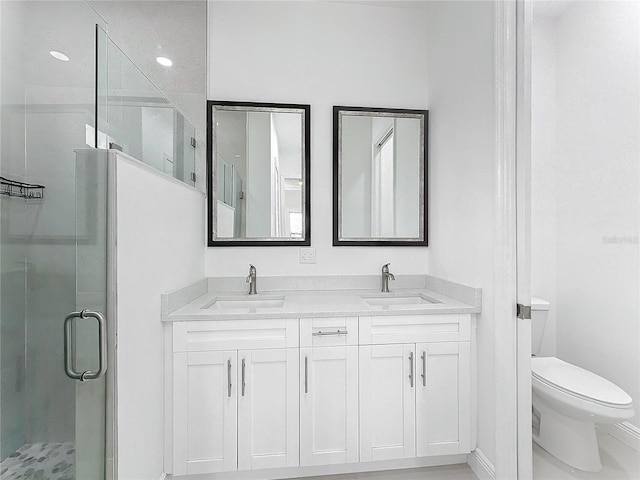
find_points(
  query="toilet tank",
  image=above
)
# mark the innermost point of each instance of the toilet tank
(539, 311)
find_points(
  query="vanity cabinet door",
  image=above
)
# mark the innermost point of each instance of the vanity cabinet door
(204, 412)
(328, 405)
(268, 410)
(443, 398)
(387, 402)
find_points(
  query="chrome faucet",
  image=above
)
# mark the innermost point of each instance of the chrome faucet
(251, 280)
(386, 276)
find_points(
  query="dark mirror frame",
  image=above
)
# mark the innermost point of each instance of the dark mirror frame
(212, 196)
(378, 242)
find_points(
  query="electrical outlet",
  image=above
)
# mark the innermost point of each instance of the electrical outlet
(307, 255)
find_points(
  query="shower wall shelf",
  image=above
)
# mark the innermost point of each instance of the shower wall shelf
(13, 188)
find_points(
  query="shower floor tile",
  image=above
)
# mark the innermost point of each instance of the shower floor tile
(40, 461)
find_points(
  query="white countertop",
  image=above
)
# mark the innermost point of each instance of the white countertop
(239, 305)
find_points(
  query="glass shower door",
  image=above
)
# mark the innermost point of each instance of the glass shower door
(54, 333)
(52, 247)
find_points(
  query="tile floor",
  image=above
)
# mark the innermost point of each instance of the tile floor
(55, 461)
(619, 462)
(40, 461)
(448, 472)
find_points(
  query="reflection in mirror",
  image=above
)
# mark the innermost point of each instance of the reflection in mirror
(258, 174)
(379, 176)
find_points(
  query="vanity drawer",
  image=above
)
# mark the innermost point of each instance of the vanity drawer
(328, 332)
(234, 335)
(376, 330)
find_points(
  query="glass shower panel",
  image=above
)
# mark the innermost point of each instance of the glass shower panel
(47, 98)
(102, 91)
(141, 121)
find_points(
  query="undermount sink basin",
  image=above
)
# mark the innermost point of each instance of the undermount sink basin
(247, 304)
(403, 301)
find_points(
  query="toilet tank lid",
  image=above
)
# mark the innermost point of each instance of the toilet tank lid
(539, 304)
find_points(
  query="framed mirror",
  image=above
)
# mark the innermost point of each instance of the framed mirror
(258, 174)
(379, 176)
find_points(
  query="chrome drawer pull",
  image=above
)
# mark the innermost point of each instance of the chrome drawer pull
(320, 333)
(411, 368)
(243, 377)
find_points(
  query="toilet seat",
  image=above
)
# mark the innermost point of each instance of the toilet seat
(577, 382)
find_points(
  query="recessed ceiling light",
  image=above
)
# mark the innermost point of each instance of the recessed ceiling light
(164, 61)
(59, 55)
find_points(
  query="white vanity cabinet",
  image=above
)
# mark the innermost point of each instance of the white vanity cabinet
(443, 398)
(254, 394)
(329, 391)
(415, 386)
(387, 405)
(235, 395)
(204, 412)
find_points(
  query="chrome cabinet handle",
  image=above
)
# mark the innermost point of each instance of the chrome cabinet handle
(243, 382)
(68, 346)
(424, 369)
(326, 334)
(229, 378)
(306, 374)
(411, 369)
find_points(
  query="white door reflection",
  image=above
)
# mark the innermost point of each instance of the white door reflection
(259, 174)
(383, 204)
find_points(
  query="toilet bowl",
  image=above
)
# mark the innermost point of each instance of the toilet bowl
(567, 403)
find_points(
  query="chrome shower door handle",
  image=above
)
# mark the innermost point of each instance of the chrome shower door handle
(69, 368)
(68, 347)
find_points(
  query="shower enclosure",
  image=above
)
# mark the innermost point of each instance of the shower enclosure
(65, 89)
(52, 246)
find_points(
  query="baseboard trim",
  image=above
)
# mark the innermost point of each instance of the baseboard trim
(481, 465)
(349, 469)
(625, 432)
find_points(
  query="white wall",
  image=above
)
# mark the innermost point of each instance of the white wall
(160, 229)
(323, 54)
(594, 185)
(461, 171)
(544, 163)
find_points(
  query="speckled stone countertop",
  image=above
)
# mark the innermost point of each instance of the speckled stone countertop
(294, 297)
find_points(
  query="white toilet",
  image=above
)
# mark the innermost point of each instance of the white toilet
(568, 401)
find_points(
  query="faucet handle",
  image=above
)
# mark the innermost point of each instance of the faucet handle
(251, 280)
(385, 267)
(252, 273)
